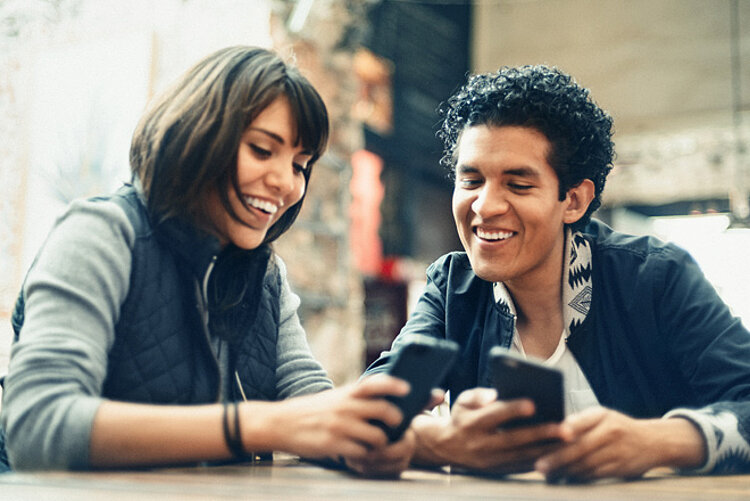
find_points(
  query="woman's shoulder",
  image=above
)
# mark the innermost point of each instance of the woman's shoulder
(88, 230)
(97, 217)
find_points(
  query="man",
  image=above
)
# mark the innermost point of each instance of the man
(657, 370)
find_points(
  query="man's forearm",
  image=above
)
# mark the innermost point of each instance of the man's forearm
(680, 442)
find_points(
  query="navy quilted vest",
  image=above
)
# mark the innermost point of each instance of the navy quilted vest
(161, 353)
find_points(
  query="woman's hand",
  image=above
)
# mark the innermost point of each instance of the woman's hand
(606, 443)
(471, 437)
(388, 461)
(332, 423)
(394, 458)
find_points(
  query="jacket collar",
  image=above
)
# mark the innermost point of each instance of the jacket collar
(196, 248)
(576, 283)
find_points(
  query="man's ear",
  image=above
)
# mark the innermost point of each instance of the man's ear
(578, 199)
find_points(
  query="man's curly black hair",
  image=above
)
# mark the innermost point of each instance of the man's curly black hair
(548, 100)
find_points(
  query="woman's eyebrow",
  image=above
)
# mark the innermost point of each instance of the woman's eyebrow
(272, 135)
(277, 138)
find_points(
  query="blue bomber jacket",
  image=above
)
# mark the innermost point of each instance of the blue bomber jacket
(656, 339)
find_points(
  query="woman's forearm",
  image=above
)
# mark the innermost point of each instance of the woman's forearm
(127, 434)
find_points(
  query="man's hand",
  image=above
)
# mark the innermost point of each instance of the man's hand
(606, 443)
(471, 437)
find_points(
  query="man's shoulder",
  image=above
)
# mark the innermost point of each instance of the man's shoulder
(452, 262)
(605, 239)
(632, 254)
(453, 274)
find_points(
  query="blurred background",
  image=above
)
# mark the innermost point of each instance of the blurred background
(75, 76)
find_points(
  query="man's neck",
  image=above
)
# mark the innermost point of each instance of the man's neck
(538, 303)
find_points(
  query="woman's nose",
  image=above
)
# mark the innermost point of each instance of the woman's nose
(282, 176)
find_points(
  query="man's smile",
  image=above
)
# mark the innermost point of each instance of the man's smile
(493, 234)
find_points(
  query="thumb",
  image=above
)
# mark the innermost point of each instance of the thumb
(476, 397)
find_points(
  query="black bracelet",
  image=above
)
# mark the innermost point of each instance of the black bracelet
(233, 438)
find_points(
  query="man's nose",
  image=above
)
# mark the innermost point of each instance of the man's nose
(491, 201)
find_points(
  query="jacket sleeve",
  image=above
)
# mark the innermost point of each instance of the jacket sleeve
(297, 371)
(73, 294)
(428, 317)
(712, 350)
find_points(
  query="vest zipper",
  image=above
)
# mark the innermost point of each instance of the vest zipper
(204, 298)
(205, 280)
(239, 385)
(252, 455)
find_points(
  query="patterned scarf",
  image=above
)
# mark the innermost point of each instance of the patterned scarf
(576, 283)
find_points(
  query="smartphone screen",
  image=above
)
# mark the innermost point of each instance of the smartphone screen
(423, 363)
(517, 377)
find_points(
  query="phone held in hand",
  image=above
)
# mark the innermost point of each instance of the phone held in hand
(423, 362)
(517, 377)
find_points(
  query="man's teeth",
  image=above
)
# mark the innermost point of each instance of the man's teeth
(493, 235)
(263, 205)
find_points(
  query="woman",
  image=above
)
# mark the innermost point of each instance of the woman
(156, 325)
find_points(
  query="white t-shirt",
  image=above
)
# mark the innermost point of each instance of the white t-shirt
(578, 392)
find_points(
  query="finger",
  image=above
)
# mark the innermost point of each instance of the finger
(528, 455)
(544, 434)
(349, 449)
(494, 415)
(374, 409)
(600, 464)
(386, 461)
(437, 397)
(593, 466)
(497, 448)
(367, 434)
(380, 385)
(570, 454)
(584, 421)
(609, 461)
(358, 465)
(374, 468)
(402, 448)
(476, 397)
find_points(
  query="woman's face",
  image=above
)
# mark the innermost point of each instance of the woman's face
(270, 172)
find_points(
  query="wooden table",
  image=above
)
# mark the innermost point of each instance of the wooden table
(290, 479)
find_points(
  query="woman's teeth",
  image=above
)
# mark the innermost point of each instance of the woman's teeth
(263, 205)
(493, 235)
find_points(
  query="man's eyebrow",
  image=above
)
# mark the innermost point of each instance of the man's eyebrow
(515, 171)
(522, 172)
(466, 169)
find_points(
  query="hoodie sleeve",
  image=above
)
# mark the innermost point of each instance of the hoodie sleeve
(297, 371)
(72, 292)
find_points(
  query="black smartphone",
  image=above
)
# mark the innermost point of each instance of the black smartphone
(423, 363)
(517, 377)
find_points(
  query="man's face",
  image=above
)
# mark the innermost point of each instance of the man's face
(506, 207)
